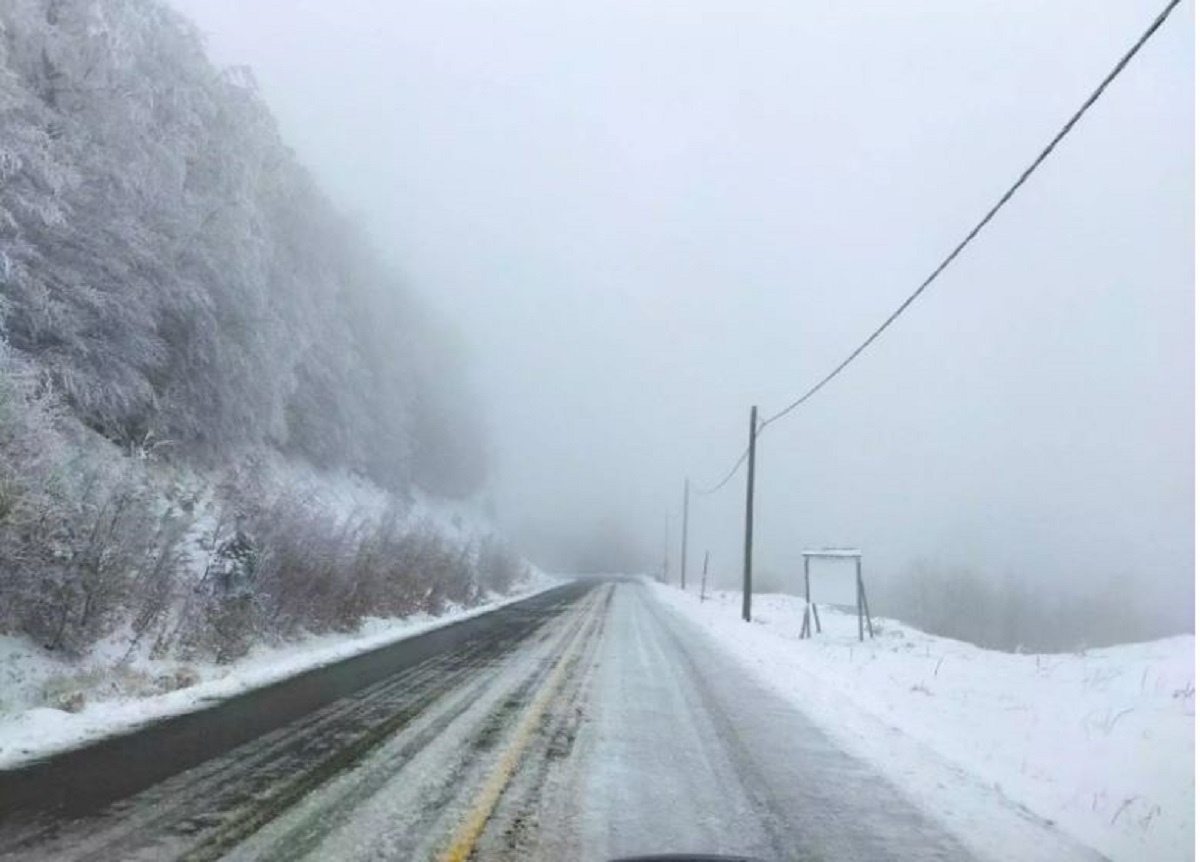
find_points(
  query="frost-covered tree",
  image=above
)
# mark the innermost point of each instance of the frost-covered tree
(179, 276)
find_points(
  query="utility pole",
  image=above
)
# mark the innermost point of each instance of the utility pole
(666, 547)
(747, 562)
(704, 577)
(687, 492)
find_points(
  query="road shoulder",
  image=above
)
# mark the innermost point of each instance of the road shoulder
(978, 813)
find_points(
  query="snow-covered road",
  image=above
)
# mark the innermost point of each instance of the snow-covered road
(612, 726)
(681, 751)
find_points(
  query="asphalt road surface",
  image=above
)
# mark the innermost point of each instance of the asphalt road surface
(594, 725)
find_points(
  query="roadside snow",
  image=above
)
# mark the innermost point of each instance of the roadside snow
(1100, 743)
(121, 695)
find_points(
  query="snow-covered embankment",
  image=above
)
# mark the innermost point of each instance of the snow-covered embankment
(123, 695)
(1101, 743)
(51, 701)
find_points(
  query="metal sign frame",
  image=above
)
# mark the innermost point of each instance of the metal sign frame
(811, 618)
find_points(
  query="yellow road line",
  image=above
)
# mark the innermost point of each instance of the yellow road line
(485, 801)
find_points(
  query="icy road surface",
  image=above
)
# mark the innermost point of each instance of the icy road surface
(607, 726)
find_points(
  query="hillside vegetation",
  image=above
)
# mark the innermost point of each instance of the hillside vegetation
(183, 312)
(180, 278)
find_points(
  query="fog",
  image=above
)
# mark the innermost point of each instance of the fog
(643, 218)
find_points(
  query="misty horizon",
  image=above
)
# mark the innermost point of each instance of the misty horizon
(643, 220)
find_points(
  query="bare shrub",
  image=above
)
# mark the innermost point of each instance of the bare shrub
(385, 571)
(449, 573)
(91, 544)
(299, 560)
(74, 521)
(499, 566)
(89, 600)
(290, 565)
(159, 590)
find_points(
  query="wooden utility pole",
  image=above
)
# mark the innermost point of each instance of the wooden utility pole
(704, 577)
(666, 548)
(747, 561)
(687, 491)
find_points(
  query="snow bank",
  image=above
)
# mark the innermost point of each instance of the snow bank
(120, 695)
(1100, 743)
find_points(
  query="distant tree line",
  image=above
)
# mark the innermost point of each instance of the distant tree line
(1012, 614)
(179, 278)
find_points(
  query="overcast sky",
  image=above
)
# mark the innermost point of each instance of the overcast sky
(647, 216)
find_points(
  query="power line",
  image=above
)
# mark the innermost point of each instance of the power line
(941, 267)
(1025, 175)
(704, 492)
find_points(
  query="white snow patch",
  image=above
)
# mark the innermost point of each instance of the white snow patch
(111, 681)
(1100, 743)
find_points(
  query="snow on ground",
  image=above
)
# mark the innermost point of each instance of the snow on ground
(1101, 743)
(48, 704)
(122, 694)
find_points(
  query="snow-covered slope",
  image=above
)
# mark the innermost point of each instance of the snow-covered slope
(121, 693)
(1101, 743)
(55, 699)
